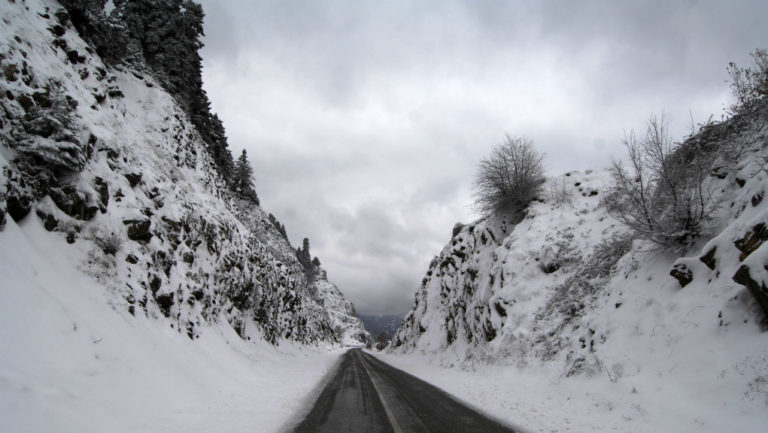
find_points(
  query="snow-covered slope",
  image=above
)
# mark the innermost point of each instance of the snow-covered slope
(72, 364)
(106, 161)
(565, 301)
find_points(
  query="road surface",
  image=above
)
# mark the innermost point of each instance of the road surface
(368, 396)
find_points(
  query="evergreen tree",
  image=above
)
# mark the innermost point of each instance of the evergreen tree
(280, 227)
(168, 35)
(302, 254)
(316, 262)
(242, 181)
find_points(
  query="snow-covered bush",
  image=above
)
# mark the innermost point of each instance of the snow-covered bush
(665, 196)
(510, 178)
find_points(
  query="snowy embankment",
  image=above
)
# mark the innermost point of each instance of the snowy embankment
(560, 322)
(70, 363)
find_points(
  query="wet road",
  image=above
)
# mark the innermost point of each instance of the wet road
(368, 396)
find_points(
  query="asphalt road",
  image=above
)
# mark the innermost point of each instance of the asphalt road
(366, 395)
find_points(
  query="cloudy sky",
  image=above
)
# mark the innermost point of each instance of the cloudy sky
(365, 120)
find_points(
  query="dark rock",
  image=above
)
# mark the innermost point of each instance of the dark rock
(740, 182)
(42, 125)
(132, 259)
(165, 302)
(100, 73)
(103, 189)
(188, 258)
(115, 93)
(73, 202)
(60, 43)
(757, 289)
(57, 30)
(26, 102)
(138, 229)
(709, 258)
(682, 273)
(18, 206)
(154, 283)
(133, 179)
(751, 240)
(42, 99)
(9, 95)
(62, 16)
(73, 56)
(550, 267)
(11, 73)
(71, 238)
(2, 217)
(71, 102)
(49, 221)
(457, 229)
(757, 198)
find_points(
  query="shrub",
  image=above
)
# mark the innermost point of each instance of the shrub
(558, 191)
(109, 244)
(510, 178)
(665, 195)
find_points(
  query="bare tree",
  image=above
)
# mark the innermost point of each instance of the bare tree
(665, 195)
(749, 85)
(510, 178)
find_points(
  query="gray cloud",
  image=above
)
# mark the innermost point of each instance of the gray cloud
(365, 120)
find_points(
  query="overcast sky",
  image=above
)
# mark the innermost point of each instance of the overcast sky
(365, 120)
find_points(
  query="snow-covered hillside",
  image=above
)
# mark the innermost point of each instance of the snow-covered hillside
(74, 360)
(106, 161)
(138, 293)
(567, 302)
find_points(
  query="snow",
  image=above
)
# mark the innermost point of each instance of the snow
(70, 363)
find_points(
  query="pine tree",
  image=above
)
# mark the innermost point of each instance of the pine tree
(302, 254)
(168, 34)
(242, 181)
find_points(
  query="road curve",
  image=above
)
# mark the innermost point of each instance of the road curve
(368, 396)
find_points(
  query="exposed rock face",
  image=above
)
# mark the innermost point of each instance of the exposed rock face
(681, 273)
(498, 276)
(757, 287)
(142, 203)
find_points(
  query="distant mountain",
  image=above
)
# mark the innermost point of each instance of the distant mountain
(376, 324)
